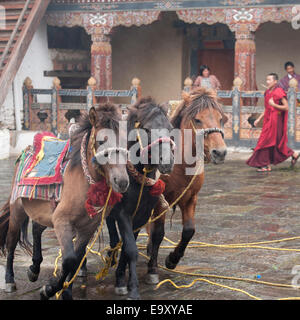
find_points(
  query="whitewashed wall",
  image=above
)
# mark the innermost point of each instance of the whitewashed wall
(36, 60)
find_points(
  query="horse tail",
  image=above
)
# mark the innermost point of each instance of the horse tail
(24, 242)
(4, 222)
(171, 218)
(23, 235)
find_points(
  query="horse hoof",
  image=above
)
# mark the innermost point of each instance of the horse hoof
(121, 291)
(66, 295)
(43, 293)
(169, 264)
(134, 296)
(10, 287)
(152, 278)
(82, 273)
(31, 275)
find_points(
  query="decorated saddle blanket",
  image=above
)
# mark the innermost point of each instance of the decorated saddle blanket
(44, 167)
(41, 168)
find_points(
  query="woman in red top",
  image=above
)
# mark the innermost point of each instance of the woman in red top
(272, 146)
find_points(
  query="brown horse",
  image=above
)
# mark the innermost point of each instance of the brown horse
(199, 110)
(70, 219)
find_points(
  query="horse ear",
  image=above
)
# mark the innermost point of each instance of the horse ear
(93, 116)
(224, 118)
(186, 97)
(165, 107)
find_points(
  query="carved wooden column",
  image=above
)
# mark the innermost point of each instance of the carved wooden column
(27, 102)
(101, 61)
(55, 102)
(245, 60)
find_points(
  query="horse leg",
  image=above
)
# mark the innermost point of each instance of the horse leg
(156, 236)
(120, 286)
(114, 238)
(37, 257)
(64, 233)
(188, 231)
(17, 217)
(129, 254)
(83, 270)
(82, 240)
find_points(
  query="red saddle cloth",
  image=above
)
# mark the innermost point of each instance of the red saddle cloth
(46, 162)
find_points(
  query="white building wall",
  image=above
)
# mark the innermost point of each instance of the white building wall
(36, 61)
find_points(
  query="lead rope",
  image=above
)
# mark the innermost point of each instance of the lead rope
(91, 181)
(68, 283)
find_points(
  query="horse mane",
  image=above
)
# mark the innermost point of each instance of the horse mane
(109, 116)
(194, 102)
(143, 110)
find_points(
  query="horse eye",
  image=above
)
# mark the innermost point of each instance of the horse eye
(198, 121)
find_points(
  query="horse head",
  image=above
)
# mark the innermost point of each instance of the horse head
(153, 127)
(201, 111)
(107, 145)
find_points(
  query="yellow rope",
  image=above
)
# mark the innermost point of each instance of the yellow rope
(193, 244)
(146, 171)
(218, 277)
(56, 263)
(107, 261)
(208, 281)
(67, 283)
(230, 246)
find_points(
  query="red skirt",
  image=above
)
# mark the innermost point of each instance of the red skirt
(272, 155)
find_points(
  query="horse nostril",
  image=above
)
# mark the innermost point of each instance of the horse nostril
(219, 153)
(123, 184)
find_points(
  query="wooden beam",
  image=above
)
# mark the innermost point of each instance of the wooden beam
(67, 74)
(20, 48)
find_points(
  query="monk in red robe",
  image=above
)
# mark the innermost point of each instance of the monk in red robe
(272, 146)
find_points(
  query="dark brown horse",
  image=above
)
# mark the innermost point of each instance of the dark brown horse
(130, 214)
(199, 110)
(69, 219)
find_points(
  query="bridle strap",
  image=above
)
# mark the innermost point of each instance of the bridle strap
(84, 160)
(102, 153)
(149, 146)
(110, 151)
(207, 131)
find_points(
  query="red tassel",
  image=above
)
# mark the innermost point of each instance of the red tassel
(97, 195)
(158, 188)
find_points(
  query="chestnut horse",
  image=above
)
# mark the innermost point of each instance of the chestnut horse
(69, 219)
(199, 110)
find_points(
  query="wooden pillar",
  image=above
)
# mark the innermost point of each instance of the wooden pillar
(90, 99)
(292, 100)
(27, 102)
(245, 61)
(188, 84)
(55, 102)
(236, 111)
(101, 61)
(136, 85)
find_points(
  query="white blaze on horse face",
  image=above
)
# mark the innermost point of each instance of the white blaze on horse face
(197, 147)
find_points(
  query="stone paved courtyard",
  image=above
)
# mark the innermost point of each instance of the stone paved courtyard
(236, 205)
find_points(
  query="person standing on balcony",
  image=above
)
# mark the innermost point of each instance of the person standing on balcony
(207, 80)
(272, 146)
(284, 82)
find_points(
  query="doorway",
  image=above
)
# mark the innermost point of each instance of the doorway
(221, 64)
